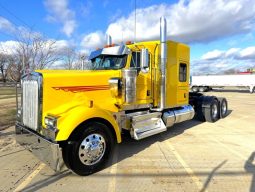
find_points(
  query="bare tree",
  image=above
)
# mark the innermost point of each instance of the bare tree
(15, 68)
(36, 52)
(69, 58)
(83, 62)
(33, 51)
(73, 59)
(3, 66)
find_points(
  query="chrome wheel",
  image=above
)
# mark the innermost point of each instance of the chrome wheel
(214, 111)
(92, 149)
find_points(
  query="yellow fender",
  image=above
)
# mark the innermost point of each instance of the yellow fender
(70, 120)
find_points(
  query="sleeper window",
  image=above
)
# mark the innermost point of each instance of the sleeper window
(183, 72)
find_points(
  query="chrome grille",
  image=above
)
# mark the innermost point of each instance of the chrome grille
(30, 101)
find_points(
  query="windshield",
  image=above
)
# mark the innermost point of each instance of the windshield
(104, 62)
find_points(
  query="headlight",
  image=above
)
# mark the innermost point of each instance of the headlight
(50, 121)
(115, 86)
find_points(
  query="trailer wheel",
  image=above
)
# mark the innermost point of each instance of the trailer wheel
(201, 89)
(89, 152)
(207, 88)
(252, 89)
(195, 89)
(223, 108)
(211, 113)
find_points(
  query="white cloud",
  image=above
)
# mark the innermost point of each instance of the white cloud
(219, 61)
(215, 54)
(8, 47)
(93, 40)
(6, 25)
(188, 21)
(60, 12)
(221, 64)
(232, 52)
(17, 32)
(62, 44)
(86, 8)
(116, 15)
(248, 53)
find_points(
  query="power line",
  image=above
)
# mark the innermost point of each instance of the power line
(20, 20)
(12, 14)
(135, 23)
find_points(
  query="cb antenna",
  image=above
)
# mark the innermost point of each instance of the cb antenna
(135, 23)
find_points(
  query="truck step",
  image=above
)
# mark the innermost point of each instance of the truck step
(145, 125)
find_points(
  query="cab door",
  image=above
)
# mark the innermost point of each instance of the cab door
(143, 81)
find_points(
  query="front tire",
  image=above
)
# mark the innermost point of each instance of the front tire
(88, 151)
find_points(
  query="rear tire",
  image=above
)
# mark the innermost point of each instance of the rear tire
(223, 108)
(90, 150)
(211, 113)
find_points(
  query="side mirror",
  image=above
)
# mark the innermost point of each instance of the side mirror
(144, 60)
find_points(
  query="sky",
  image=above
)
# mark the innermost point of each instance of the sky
(220, 33)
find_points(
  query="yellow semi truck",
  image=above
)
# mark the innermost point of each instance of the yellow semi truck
(74, 118)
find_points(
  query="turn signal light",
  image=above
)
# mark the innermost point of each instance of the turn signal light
(112, 45)
(129, 43)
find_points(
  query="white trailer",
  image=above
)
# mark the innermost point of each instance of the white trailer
(207, 82)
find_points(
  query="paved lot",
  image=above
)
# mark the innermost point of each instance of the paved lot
(191, 156)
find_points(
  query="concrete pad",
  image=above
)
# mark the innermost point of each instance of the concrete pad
(191, 156)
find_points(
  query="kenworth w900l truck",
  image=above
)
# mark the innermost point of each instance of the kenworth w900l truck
(74, 118)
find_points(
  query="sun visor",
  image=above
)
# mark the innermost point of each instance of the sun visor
(116, 50)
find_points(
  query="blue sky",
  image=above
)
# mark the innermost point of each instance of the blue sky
(221, 33)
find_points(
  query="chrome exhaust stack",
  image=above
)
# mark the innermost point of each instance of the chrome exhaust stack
(108, 39)
(163, 61)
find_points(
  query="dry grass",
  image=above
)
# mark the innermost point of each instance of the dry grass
(7, 91)
(7, 107)
(7, 118)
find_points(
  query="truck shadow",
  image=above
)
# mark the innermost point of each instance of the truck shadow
(229, 112)
(130, 147)
(44, 183)
(249, 167)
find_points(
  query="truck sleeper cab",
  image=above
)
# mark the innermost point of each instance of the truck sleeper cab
(74, 118)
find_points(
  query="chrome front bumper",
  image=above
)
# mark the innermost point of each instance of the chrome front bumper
(48, 152)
